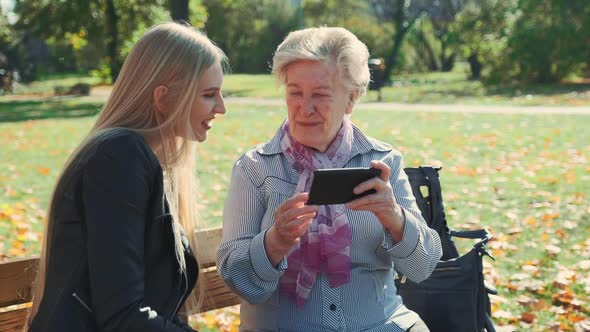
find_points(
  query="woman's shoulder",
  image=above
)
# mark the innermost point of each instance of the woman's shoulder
(260, 153)
(120, 139)
(380, 146)
(120, 148)
(261, 161)
(125, 144)
(368, 144)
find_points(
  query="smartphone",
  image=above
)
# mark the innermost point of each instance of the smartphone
(335, 185)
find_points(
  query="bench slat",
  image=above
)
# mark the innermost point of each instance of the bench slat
(13, 321)
(218, 295)
(207, 241)
(16, 279)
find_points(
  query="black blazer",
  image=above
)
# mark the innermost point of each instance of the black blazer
(112, 263)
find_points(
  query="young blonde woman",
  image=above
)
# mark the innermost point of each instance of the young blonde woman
(115, 254)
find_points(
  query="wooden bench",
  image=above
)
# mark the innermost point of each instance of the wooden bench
(18, 275)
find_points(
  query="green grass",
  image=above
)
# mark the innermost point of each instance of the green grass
(47, 85)
(522, 176)
(259, 86)
(58, 107)
(435, 88)
(426, 88)
(525, 177)
(455, 88)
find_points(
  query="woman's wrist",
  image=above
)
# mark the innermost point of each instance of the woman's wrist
(397, 225)
(275, 250)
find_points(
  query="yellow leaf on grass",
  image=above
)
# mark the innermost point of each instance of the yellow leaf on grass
(570, 177)
(17, 244)
(531, 221)
(561, 234)
(16, 252)
(550, 216)
(8, 211)
(234, 328)
(43, 170)
(211, 320)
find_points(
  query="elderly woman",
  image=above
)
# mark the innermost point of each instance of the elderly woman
(302, 267)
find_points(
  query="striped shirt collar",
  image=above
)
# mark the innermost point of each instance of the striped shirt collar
(361, 144)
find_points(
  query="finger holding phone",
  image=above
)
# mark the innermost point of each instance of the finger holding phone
(292, 219)
(382, 203)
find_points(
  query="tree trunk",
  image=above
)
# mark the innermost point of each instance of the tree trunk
(475, 66)
(447, 62)
(179, 11)
(430, 58)
(398, 39)
(113, 39)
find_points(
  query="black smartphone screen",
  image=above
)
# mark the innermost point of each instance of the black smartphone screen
(335, 185)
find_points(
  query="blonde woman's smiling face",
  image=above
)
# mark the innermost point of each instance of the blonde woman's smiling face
(208, 103)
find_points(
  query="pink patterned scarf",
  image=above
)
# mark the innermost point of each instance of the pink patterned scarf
(325, 247)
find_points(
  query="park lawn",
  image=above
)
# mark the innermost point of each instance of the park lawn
(454, 88)
(524, 177)
(47, 85)
(426, 88)
(435, 88)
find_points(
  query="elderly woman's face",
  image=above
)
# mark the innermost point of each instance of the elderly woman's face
(316, 102)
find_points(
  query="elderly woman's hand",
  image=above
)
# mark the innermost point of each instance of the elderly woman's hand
(292, 219)
(382, 203)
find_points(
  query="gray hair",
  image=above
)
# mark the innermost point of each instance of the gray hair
(326, 44)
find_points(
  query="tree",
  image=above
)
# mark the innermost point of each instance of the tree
(545, 44)
(249, 30)
(109, 23)
(15, 55)
(435, 42)
(353, 15)
(179, 10)
(403, 14)
(526, 40)
(6, 59)
(442, 14)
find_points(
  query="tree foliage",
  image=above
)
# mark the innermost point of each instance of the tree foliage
(353, 15)
(503, 40)
(527, 40)
(98, 33)
(249, 30)
(550, 39)
(100, 28)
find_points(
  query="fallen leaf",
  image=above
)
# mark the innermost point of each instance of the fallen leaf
(553, 250)
(528, 317)
(43, 170)
(583, 326)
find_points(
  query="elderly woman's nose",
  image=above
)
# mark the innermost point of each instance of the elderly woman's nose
(307, 105)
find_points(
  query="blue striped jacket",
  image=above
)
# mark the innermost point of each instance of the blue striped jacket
(262, 179)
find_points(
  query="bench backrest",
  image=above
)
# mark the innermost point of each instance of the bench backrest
(18, 275)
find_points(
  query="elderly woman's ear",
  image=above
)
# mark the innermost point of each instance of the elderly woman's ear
(352, 97)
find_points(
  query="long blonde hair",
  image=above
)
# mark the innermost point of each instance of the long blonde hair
(175, 56)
